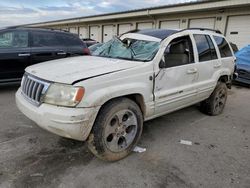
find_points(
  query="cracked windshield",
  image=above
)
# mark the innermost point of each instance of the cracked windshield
(129, 49)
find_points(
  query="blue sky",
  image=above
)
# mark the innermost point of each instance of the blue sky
(16, 12)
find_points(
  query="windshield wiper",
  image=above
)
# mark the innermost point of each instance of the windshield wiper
(130, 59)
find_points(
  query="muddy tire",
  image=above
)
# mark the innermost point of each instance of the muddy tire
(215, 104)
(116, 130)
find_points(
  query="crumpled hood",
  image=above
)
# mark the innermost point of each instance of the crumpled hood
(69, 70)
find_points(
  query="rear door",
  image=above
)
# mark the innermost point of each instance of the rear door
(14, 54)
(227, 59)
(207, 64)
(73, 44)
(46, 46)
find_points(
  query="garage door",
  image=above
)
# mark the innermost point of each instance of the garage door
(123, 28)
(73, 30)
(238, 30)
(202, 23)
(108, 32)
(145, 25)
(94, 33)
(170, 24)
(83, 32)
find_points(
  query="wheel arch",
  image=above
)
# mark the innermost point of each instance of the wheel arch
(136, 97)
(226, 79)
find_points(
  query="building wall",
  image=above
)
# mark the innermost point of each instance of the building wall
(215, 19)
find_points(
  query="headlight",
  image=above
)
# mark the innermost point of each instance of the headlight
(63, 95)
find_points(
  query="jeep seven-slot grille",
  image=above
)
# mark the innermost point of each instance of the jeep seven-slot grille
(33, 89)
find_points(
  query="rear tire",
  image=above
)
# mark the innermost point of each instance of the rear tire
(117, 130)
(215, 104)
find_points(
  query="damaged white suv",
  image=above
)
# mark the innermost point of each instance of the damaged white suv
(105, 98)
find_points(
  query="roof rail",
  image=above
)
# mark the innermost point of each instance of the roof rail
(203, 29)
(52, 29)
(130, 31)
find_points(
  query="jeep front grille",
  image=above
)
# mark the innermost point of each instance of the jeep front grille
(33, 89)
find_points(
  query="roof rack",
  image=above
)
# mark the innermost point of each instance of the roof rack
(44, 28)
(130, 31)
(203, 29)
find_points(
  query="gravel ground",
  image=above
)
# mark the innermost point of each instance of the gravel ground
(218, 157)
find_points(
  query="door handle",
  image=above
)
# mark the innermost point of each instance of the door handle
(192, 71)
(61, 53)
(217, 65)
(24, 55)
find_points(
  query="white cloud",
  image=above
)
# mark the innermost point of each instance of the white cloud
(17, 16)
(104, 4)
(24, 13)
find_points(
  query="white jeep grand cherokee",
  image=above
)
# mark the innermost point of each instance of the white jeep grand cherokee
(141, 75)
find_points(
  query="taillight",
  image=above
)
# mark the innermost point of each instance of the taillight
(86, 51)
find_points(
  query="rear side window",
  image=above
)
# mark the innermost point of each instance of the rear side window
(44, 39)
(70, 40)
(14, 39)
(205, 47)
(223, 46)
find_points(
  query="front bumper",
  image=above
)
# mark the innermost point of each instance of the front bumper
(74, 123)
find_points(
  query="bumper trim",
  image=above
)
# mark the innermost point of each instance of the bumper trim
(68, 122)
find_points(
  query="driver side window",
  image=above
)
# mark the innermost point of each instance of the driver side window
(179, 52)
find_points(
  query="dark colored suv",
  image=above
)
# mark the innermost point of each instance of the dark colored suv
(21, 47)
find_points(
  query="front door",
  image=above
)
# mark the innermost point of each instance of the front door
(14, 55)
(174, 84)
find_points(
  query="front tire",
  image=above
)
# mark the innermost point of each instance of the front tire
(117, 130)
(215, 104)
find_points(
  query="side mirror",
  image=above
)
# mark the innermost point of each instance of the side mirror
(162, 64)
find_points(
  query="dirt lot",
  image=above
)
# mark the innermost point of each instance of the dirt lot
(219, 156)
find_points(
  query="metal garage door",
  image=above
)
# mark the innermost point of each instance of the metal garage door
(170, 24)
(123, 28)
(94, 32)
(238, 30)
(202, 23)
(145, 25)
(108, 32)
(73, 30)
(83, 32)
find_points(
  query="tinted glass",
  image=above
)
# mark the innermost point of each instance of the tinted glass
(70, 40)
(223, 46)
(14, 39)
(43, 39)
(212, 48)
(203, 48)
